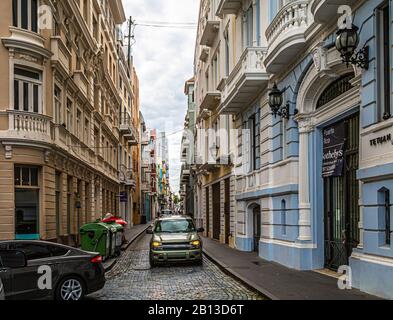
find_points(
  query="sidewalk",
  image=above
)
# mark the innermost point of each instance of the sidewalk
(131, 235)
(275, 281)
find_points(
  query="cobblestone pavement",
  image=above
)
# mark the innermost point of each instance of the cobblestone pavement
(132, 279)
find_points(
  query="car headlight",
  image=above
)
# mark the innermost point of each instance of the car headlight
(156, 244)
(196, 243)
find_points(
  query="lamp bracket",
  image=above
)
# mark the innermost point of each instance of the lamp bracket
(359, 58)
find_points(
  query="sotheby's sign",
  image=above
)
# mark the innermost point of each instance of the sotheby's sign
(333, 150)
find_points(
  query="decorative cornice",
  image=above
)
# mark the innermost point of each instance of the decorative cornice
(10, 43)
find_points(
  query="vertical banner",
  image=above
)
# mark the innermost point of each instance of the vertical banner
(333, 150)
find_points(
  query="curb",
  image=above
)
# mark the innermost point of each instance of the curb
(129, 243)
(239, 277)
(111, 265)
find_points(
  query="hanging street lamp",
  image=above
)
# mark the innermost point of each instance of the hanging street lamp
(347, 41)
(276, 101)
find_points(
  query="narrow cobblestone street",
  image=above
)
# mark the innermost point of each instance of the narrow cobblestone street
(132, 279)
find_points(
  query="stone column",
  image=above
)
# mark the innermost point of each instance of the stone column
(255, 23)
(82, 211)
(305, 128)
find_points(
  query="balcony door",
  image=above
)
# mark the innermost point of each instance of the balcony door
(216, 211)
(27, 90)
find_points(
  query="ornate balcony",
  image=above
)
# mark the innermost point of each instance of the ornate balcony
(324, 11)
(204, 114)
(28, 126)
(82, 82)
(145, 139)
(127, 177)
(128, 129)
(204, 54)
(211, 100)
(210, 31)
(228, 7)
(287, 34)
(61, 54)
(246, 81)
(185, 174)
(145, 187)
(145, 163)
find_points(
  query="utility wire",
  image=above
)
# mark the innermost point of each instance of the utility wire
(115, 147)
(168, 23)
(166, 26)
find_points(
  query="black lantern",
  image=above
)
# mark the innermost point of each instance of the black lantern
(275, 103)
(347, 41)
(275, 99)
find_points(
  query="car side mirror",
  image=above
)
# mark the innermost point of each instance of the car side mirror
(12, 259)
(200, 230)
(149, 231)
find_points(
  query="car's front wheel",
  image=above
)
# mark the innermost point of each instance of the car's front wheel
(70, 289)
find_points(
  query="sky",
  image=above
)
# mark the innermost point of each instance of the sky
(164, 58)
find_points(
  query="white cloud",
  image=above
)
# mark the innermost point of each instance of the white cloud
(163, 58)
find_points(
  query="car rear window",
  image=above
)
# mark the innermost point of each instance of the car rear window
(33, 251)
(58, 251)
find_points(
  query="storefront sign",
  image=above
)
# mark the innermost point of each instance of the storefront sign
(123, 197)
(380, 140)
(333, 150)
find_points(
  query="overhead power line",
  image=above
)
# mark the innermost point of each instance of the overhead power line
(166, 26)
(168, 23)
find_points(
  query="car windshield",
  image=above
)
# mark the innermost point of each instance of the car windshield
(174, 226)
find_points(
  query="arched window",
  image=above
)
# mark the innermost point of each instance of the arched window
(335, 89)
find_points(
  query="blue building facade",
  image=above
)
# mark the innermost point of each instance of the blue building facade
(301, 208)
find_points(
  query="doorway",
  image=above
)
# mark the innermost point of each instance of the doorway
(26, 214)
(227, 211)
(341, 194)
(207, 212)
(256, 211)
(216, 211)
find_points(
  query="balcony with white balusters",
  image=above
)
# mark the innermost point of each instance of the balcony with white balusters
(287, 34)
(27, 126)
(246, 80)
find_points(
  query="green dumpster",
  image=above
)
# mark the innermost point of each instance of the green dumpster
(96, 237)
(118, 238)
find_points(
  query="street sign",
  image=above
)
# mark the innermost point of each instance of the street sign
(123, 197)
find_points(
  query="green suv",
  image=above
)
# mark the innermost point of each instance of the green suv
(175, 239)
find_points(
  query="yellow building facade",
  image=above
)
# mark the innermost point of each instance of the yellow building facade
(60, 116)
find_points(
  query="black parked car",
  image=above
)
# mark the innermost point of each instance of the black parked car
(74, 273)
(2, 295)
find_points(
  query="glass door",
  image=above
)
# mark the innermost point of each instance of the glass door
(341, 196)
(26, 214)
(27, 201)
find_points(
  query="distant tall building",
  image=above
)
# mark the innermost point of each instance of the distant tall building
(163, 171)
(162, 147)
